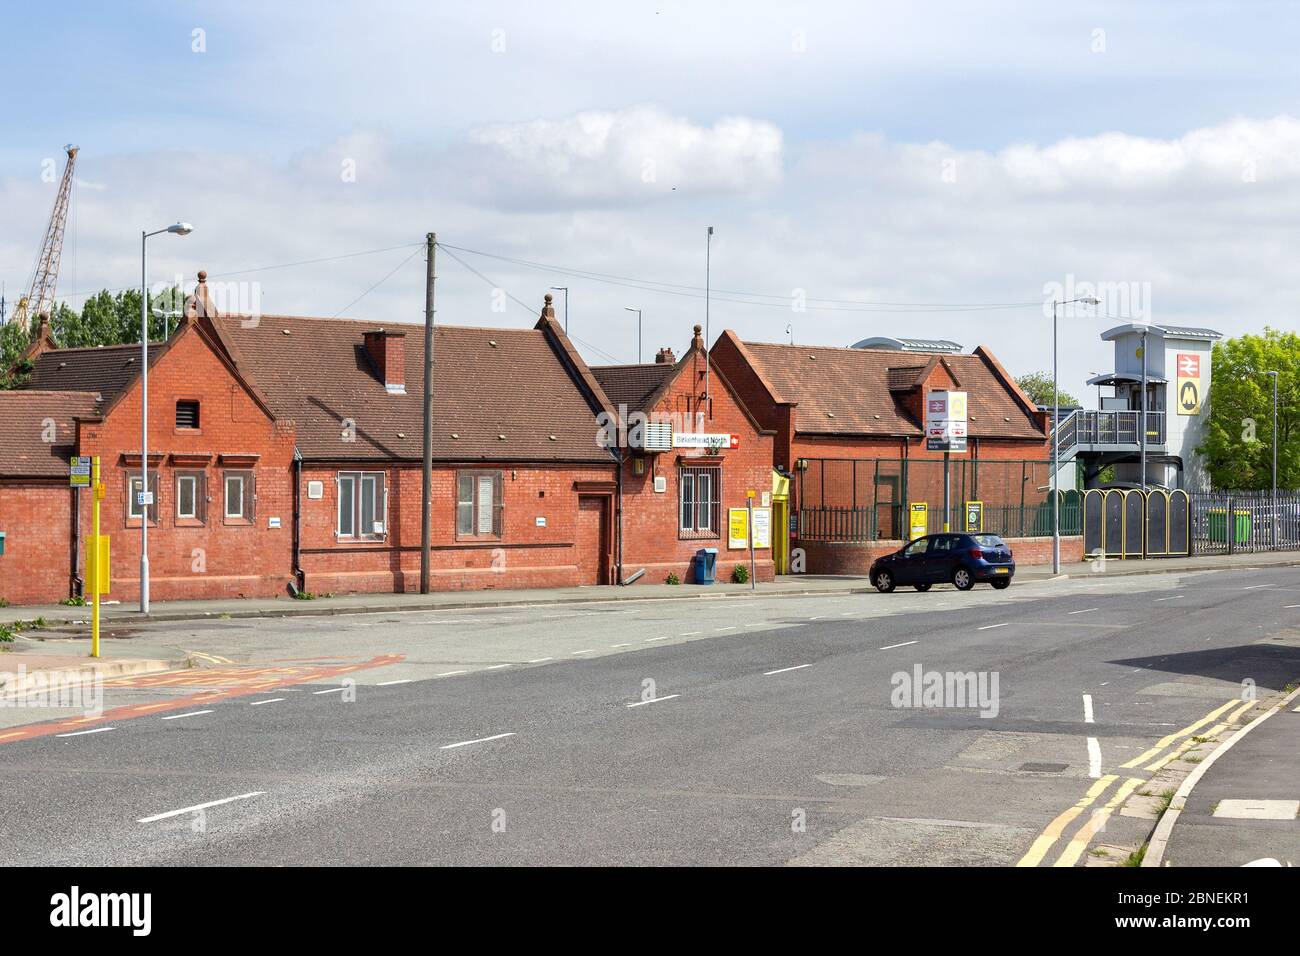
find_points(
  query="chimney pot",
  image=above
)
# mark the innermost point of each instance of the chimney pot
(665, 357)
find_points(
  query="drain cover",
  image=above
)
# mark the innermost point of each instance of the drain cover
(1044, 767)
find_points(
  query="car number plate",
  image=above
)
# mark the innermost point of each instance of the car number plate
(999, 570)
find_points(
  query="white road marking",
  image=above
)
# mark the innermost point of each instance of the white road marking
(989, 627)
(1087, 709)
(650, 640)
(198, 806)
(817, 618)
(1171, 598)
(496, 667)
(390, 683)
(330, 690)
(589, 650)
(538, 660)
(271, 700)
(1084, 611)
(629, 644)
(653, 700)
(1094, 758)
(729, 627)
(690, 634)
(1253, 587)
(450, 673)
(904, 644)
(480, 740)
(1291, 607)
(79, 733)
(797, 667)
(192, 713)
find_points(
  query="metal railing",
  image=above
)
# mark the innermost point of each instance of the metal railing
(890, 522)
(1231, 522)
(1085, 428)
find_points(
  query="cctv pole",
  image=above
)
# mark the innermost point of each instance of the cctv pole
(430, 244)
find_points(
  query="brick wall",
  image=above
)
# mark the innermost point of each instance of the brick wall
(36, 517)
(652, 539)
(842, 558)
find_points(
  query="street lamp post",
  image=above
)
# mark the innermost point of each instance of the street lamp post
(179, 229)
(1056, 419)
(565, 290)
(1273, 375)
(638, 331)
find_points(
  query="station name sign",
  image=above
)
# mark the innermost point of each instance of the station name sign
(945, 421)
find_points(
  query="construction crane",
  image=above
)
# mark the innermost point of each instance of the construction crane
(39, 299)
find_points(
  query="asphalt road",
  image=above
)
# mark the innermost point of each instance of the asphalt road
(746, 732)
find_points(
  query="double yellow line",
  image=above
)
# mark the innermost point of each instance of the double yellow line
(1079, 842)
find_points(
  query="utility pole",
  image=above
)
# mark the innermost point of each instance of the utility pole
(431, 244)
(1273, 375)
(708, 252)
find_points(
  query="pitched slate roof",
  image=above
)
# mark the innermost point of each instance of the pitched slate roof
(862, 391)
(633, 385)
(488, 383)
(24, 451)
(107, 369)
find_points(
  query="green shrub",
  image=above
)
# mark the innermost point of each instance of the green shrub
(740, 574)
(672, 578)
(74, 602)
(6, 633)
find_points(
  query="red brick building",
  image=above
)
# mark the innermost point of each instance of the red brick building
(678, 493)
(849, 430)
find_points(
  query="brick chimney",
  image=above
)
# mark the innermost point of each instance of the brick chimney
(665, 357)
(387, 351)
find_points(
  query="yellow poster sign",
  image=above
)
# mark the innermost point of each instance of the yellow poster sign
(737, 528)
(1188, 396)
(919, 515)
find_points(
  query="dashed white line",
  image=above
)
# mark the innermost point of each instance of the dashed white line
(729, 627)
(192, 713)
(1094, 758)
(80, 733)
(1171, 597)
(652, 700)
(1087, 709)
(199, 806)
(904, 644)
(272, 700)
(651, 640)
(989, 627)
(1084, 611)
(330, 690)
(782, 670)
(496, 667)
(388, 683)
(1291, 607)
(480, 740)
(450, 673)
(1254, 587)
(690, 634)
(538, 660)
(589, 650)
(628, 644)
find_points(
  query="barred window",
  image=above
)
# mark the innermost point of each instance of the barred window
(699, 493)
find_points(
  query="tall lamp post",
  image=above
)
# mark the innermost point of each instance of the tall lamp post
(1273, 375)
(565, 290)
(638, 331)
(179, 229)
(1056, 418)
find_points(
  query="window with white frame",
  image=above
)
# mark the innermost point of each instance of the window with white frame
(240, 497)
(362, 505)
(134, 509)
(191, 497)
(479, 504)
(699, 496)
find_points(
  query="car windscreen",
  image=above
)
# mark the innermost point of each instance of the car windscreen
(988, 541)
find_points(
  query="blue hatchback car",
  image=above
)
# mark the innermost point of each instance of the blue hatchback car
(956, 559)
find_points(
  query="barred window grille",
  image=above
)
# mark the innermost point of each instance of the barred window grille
(699, 502)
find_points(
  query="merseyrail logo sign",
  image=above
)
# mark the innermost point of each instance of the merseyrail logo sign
(1188, 395)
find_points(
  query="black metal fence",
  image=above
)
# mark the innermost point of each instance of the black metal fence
(843, 499)
(1230, 522)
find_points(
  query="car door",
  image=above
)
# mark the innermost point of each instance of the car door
(940, 559)
(910, 568)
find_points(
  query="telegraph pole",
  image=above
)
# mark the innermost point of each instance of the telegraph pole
(431, 244)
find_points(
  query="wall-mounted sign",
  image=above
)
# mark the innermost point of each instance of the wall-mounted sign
(738, 528)
(1188, 396)
(974, 516)
(273, 522)
(541, 521)
(945, 421)
(315, 489)
(704, 440)
(762, 528)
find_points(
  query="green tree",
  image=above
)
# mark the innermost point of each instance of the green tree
(1038, 386)
(1238, 446)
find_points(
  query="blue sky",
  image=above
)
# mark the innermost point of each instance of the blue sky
(922, 152)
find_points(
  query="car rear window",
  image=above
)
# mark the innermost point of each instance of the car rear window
(988, 541)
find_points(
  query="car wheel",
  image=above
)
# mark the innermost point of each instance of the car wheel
(962, 579)
(921, 587)
(884, 582)
(1001, 584)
